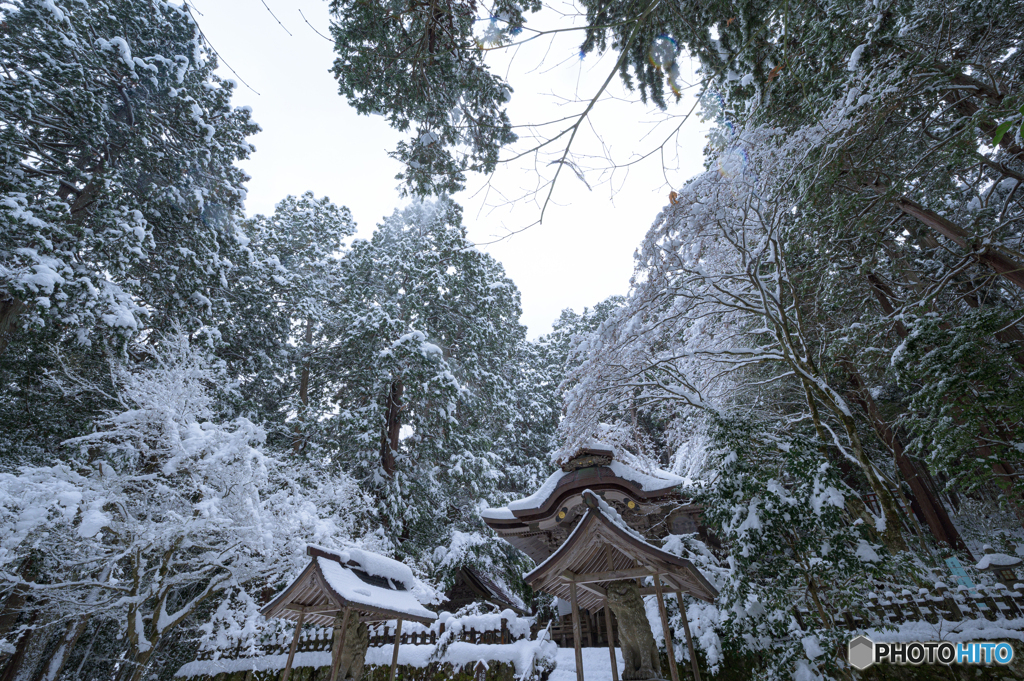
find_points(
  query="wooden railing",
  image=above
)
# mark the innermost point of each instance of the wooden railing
(981, 602)
(384, 635)
(314, 639)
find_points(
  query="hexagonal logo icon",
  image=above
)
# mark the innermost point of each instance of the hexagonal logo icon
(861, 652)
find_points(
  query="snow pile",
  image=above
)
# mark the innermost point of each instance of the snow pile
(997, 560)
(596, 664)
(374, 564)
(345, 582)
(966, 630)
(527, 656)
(211, 668)
(518, 627)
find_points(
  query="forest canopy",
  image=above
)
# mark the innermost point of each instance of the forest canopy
(822, 334)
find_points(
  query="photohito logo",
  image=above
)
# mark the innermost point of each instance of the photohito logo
(863, 652)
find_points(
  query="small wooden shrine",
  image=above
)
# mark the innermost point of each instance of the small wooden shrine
(600, 551)
(337, 583)
(474, 586)
(587, 528)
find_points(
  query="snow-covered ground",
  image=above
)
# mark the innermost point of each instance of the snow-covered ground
(596, 664)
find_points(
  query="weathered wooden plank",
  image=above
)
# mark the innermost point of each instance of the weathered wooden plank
(607, 575)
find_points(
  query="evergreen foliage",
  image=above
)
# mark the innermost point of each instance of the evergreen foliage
(823, 331)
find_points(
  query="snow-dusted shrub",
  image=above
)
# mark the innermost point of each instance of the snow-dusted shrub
(784, 513)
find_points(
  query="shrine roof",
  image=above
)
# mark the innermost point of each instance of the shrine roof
(378, 587)
(602, 549)
(642, 486)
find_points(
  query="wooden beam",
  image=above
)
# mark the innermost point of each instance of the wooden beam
(394, 655)
(670, 646)
(610, 565)
(291, 650)
(607, 575)
(339, 645)
(312, 609)
(652, 591)
(594, 589)
(689, 639)
(611, 641)
(577, 632)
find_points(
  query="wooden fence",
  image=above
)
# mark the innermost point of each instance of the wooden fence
(980, 602)
(315, 639)
(927, 605)
(382, 635)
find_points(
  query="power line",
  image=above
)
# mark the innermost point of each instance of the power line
(275, 17)
(188, 8)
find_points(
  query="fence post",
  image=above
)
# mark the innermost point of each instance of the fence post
(990, 601)
(877, 608)
(952, 607)
(1011, 605)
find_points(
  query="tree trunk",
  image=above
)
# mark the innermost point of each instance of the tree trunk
(26, 653)
(1000, 263)
(392, 426)
(10, 308)
(51, 671)
(304, 387)
(929, 509)
(1000, 469)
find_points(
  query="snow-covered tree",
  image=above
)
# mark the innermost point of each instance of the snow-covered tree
(118, 188)
(279, 301)
(163, 508)
(421, 365)
(420, 66)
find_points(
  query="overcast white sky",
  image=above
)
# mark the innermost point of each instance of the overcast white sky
(311, 140)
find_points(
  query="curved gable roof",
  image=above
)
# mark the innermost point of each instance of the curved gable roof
(599, 551)
(374, 586)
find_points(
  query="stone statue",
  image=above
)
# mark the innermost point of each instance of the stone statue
(353, 650)
(639, 653)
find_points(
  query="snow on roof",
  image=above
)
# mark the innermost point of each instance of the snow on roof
(499, 589)
(997, 560)
(502, 513)
(373, 564)
(526, 575)
(609, 512)
(349, 586)
(648, 482)
(542, 493)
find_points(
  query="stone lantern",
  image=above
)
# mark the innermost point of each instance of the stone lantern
(999, 564)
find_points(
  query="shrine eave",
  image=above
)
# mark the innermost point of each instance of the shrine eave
(622, 482)
(599, 552)
(327, 586)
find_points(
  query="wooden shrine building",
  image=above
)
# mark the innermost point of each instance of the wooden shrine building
(649, 503)
(335, 584)
(473, 586)
(587, 526)
(600, 551)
